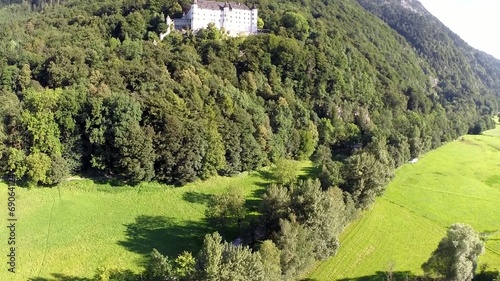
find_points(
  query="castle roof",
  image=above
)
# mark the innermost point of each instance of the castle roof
(213, 5)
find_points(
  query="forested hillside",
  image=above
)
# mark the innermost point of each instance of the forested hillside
(463, 74)
(87, 87)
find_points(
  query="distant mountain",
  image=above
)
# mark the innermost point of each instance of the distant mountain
(462, 71)
(412, 5)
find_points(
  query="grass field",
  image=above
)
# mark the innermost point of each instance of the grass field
(459, 182)
(66, 233)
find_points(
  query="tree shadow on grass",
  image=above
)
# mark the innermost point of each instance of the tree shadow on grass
(60, 277)
(266, 175)
(310, 173)
(253, 204)
(384, 276)
(196, 197)
(106, 179)
(486, 276)
(123, 274)
(168, 236)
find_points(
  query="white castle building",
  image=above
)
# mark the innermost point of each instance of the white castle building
(234, 18)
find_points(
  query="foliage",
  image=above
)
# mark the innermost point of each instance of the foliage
(460, 184)
(304, 211)
(285, 172)
(59, 169)
(270, 256)
(456, 256)
(160, 267)
(109, 274)
(296, 23)
(365, 177)
(15, 162)
(223, 261)
(109, 99)
(296, 248)
(135, 154)
(38, 165)
(227, 208)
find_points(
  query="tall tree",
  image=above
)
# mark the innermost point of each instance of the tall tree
(37, 166)
(270, 256)
(285, 171)
(39, 120)
(227, 208)
(136, 157)
(365, 177)
(457, 254)
(224, 261)
(296, 248)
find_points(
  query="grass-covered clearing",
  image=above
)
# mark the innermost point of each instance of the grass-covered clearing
(70, 231)
(459, 182)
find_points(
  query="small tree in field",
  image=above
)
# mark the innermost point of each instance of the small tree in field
(227, 208)
(456, 256)
(285, 171)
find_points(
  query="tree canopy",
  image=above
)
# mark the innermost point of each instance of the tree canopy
(91, 88)
(457, 254)
(356, 86)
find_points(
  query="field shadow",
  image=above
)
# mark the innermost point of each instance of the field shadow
(114, 182)
(113, 275)
(253, 204)
(196, 197)
(168, 236)
(106, 179)
(384, 275)
(61, 277)
(486, 276)
(266, 175)
(310, 173)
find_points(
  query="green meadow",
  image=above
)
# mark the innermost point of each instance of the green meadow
(67, 232)
(459, 182)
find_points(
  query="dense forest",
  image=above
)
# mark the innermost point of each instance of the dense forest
(87, 87)
(462, 71)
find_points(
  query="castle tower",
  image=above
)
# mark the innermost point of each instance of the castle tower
(225, 16)
(194, 15)
(254, 18)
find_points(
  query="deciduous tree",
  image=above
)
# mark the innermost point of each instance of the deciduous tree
(457, 254)
(270, 257)
(227, 208)
(223, 261)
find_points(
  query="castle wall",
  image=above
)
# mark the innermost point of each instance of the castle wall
(234, 21)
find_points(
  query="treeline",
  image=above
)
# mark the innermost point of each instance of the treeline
(455, 258)
(89, 88)
(34, 5)
(299, 225)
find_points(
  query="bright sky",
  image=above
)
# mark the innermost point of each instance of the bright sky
(475, 21)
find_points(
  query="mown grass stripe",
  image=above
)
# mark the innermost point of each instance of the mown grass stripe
(456, 183)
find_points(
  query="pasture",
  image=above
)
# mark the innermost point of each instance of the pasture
(458, 182)
(67, 232)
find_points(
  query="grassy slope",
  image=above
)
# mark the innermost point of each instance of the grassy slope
(459, 182)
(80, 226)
(72, 230)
